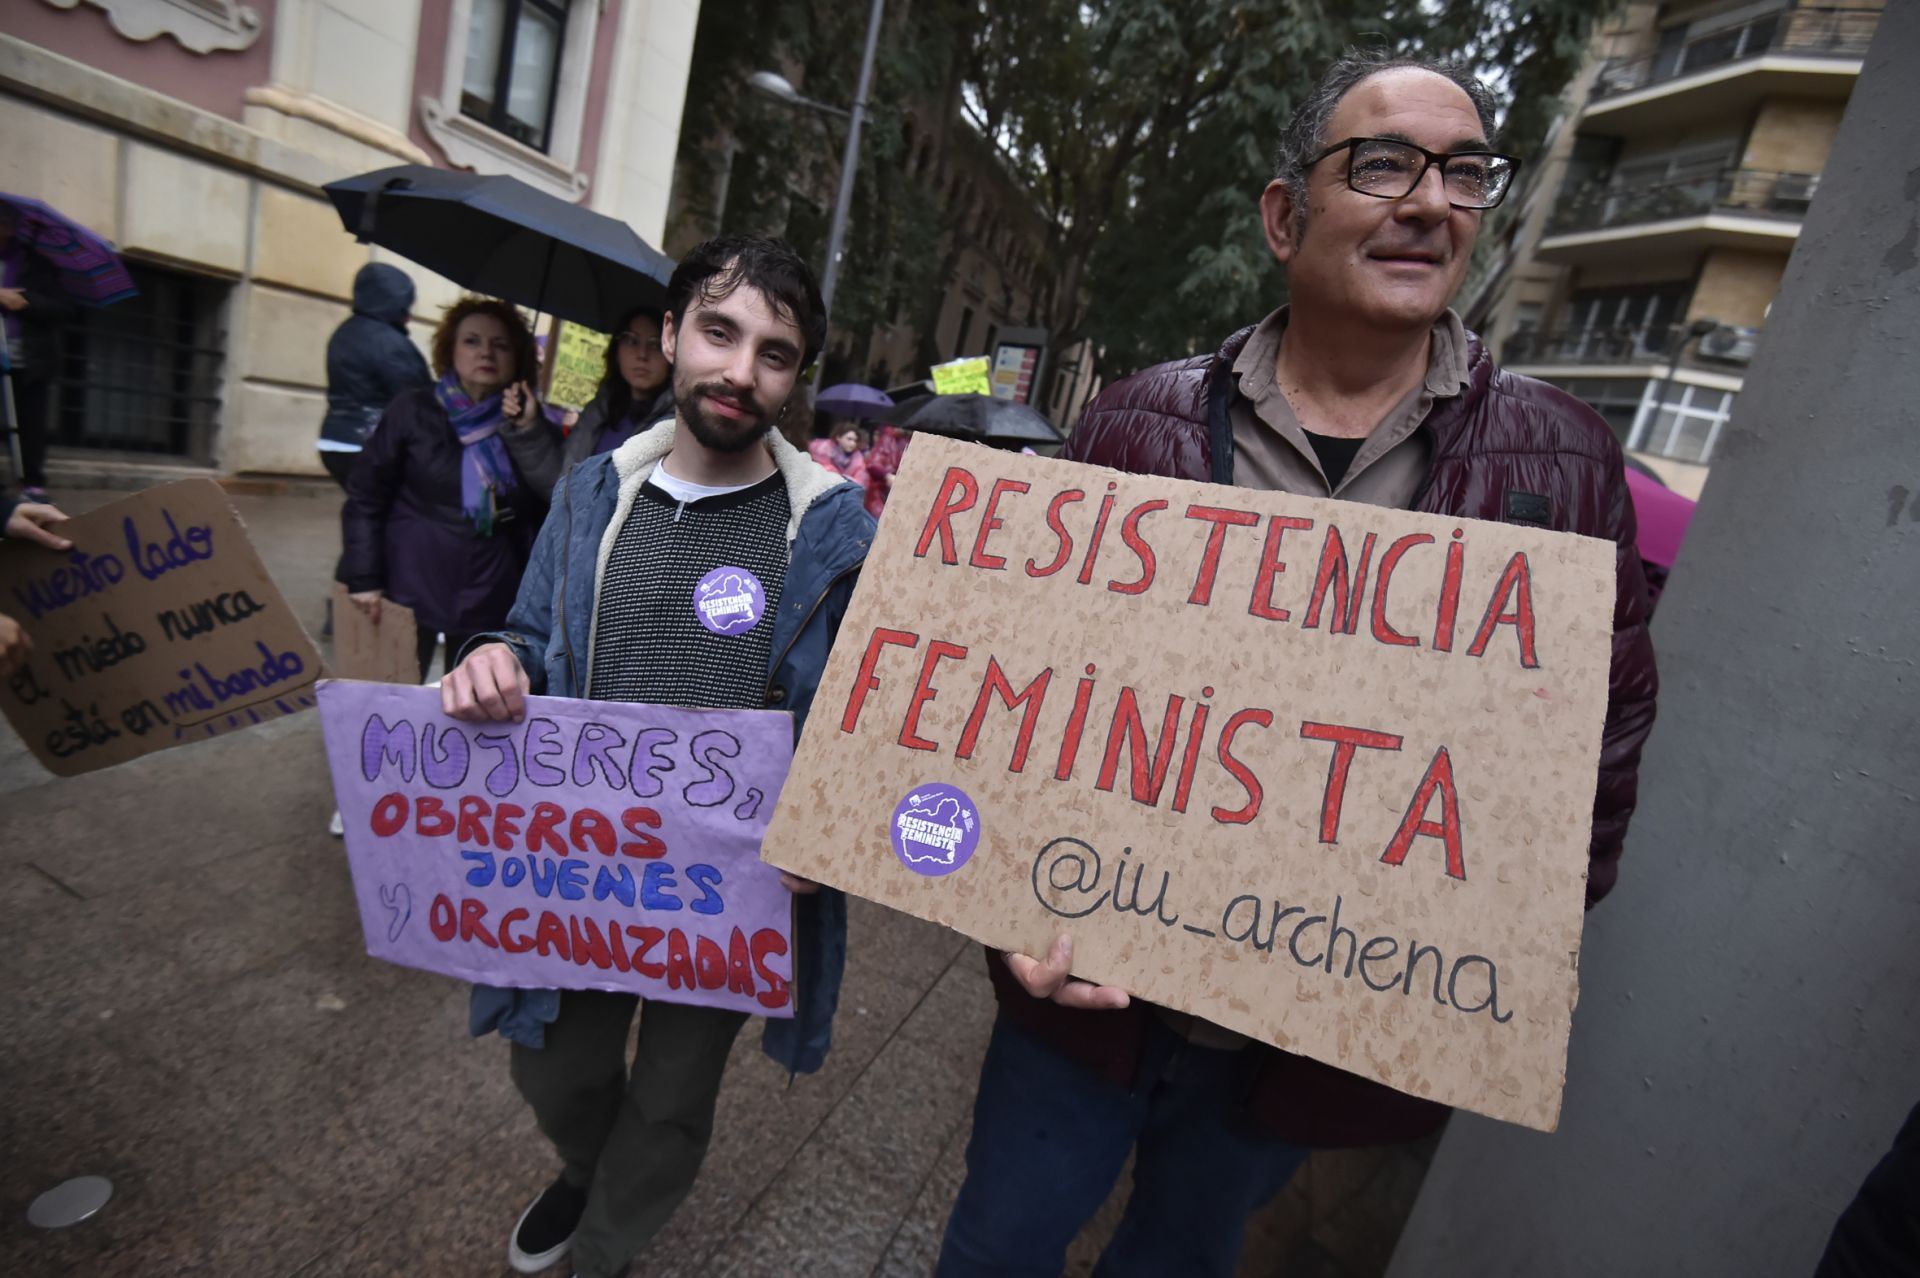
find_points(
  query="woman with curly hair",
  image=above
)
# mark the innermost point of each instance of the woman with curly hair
(437, 516)
(634, 392)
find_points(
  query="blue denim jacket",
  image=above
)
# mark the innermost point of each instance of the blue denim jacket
(551, 631)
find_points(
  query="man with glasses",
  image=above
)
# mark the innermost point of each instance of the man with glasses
(1364, 387)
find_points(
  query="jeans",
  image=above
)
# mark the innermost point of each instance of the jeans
(1050, 1138)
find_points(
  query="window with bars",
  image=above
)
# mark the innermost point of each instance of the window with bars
(143, 376)
(513, 67)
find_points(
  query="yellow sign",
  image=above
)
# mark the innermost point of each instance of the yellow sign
(962, 377)
(579, 362)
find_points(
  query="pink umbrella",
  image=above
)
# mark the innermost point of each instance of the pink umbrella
(1663, 515)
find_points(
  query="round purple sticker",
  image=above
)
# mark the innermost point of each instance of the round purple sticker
(935, 830)
(729, 601)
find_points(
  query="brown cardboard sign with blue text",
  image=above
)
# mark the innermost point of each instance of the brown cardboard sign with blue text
(1319, 772)
(159, 628)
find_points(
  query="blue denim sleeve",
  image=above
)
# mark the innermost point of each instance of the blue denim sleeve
(519, 1016)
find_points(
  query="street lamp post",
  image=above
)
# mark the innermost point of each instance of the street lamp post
(777, 86)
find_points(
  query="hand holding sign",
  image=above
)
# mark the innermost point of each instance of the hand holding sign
(15, 646)
(1051, 979)
(1317, 772)
(489, 685)
(31, 521)
(592, 845)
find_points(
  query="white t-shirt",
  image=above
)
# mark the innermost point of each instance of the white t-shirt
(683, 492)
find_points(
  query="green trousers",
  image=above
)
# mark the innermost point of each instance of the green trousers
(634, 1140)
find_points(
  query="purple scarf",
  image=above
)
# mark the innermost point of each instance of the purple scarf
(486, 472)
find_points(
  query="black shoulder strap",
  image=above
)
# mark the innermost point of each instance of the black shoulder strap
(1220, 388)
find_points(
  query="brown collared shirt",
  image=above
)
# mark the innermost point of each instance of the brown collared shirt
(1271, 449)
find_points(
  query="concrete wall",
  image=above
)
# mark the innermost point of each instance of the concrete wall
(641, 132)
(1745, 1042)
(1736, 286)
(215, 81)
(1793, 135)
(1694, 137)
(1646, 268)
(355, 54)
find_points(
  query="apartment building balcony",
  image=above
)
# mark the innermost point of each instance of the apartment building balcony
(1666, 390)
(1728, 208)
(1640, 351)
(1806, 51)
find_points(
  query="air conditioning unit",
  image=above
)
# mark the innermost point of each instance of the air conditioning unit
(1729, 344)
(1793, 192)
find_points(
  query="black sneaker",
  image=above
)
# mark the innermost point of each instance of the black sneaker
(545, 1230)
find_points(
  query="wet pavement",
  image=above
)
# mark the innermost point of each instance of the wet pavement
(188, 1010)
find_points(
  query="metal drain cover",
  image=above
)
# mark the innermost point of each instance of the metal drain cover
(70, 1202)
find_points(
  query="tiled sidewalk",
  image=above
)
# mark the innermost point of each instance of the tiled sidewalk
(188, 1009)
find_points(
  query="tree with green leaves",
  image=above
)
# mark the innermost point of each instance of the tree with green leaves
(750, 163)
(1142, 128)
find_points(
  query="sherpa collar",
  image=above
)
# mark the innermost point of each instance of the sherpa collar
(806, 479)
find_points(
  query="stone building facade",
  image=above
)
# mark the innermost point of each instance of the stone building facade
(196, 135)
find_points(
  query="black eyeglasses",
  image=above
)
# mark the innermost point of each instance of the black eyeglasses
(1390, 170)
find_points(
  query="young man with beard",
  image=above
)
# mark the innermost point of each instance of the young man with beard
(607, 611)
(1364, 387)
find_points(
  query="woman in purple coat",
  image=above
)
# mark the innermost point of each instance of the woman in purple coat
(437, 517)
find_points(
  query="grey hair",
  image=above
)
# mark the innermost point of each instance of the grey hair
(1306, 133)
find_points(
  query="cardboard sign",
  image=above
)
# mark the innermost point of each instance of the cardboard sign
(597, 845)
(158, 628)
(383, 651)
(962, 377)
(579, 362)
(1321, 773)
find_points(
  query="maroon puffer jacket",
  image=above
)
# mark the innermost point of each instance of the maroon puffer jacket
(1505, 442)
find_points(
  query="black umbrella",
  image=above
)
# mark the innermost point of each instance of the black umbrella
(499, 236)
(979, 417)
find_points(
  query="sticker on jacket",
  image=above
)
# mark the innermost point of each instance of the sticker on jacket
(729, 601)
(935, 830)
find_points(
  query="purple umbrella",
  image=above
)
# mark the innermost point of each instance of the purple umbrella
(850, 399)
(90, 270)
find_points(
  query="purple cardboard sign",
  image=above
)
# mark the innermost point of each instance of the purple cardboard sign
(595, 845)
